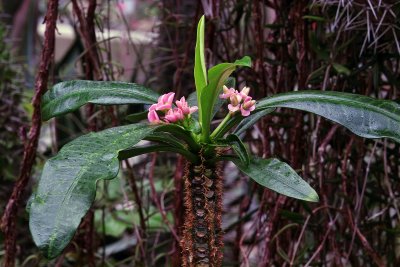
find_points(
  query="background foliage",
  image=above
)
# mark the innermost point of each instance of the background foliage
(348, 46)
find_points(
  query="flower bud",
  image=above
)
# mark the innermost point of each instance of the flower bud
(245, 91)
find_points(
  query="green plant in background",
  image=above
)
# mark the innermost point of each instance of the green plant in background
(67, 187)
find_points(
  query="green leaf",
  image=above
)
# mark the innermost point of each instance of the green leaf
(191, 124)
(249, 121)
(192, 99)
(341, 69)
(230, 82)
(115, 222)
(217, 76)
(200, 75)
(365, 116)
(68, 96)
(240, 149)
(278, 176)
(67, 186)
(181, 133)
(165, 138)
(316, 73)
(137, 117)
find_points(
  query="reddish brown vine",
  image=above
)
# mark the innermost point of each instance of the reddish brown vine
(8, 222)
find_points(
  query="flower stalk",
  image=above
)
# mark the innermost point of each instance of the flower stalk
(221, 126)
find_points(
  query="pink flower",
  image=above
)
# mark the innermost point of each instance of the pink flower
(184, 106)
(228, 92)
(174, 115)
(165, 101)
(247, 106)
(233, 108)
(235, 100)
(153, 107)
(152, 116)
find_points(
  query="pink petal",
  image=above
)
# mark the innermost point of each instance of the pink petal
(179, 103)
(179, 114)
(170, 97)
(233, 108)
(170, 116)
(153, 107)
(174, 115)
(193, 109)
(152, 116)
(224, 96)
(163, 106)
(244, 112)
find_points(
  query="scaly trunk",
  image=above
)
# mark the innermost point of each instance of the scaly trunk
(202, 234)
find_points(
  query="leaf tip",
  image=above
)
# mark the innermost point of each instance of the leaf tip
(312, 197)
(245, 61)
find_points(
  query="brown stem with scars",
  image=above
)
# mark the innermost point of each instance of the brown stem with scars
(202, 234)
(9, 219)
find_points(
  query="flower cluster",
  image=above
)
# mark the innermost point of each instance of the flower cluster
(239, 100)
(171, 114)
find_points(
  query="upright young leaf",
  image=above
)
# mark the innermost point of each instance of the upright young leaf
(67, 186)
(68, 96)
(217, 76)
(365, 116)
(192, 99)
(278, 176)
(200, 74)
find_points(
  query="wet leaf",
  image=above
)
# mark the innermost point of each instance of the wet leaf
(365, 116)
(67, 186)
(278, 176)
(68, 96)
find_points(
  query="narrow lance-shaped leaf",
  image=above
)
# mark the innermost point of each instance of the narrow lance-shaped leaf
(67, 186)
(278, 176)
(365, 116)
(200, 74)
(217, 76)
(68, 96)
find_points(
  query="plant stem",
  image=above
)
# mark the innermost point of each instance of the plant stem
(202, 234)
(221, 126)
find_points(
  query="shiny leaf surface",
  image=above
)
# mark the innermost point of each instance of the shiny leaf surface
(278, 176)
(67, 186)
(68, 96)
(365, 116)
